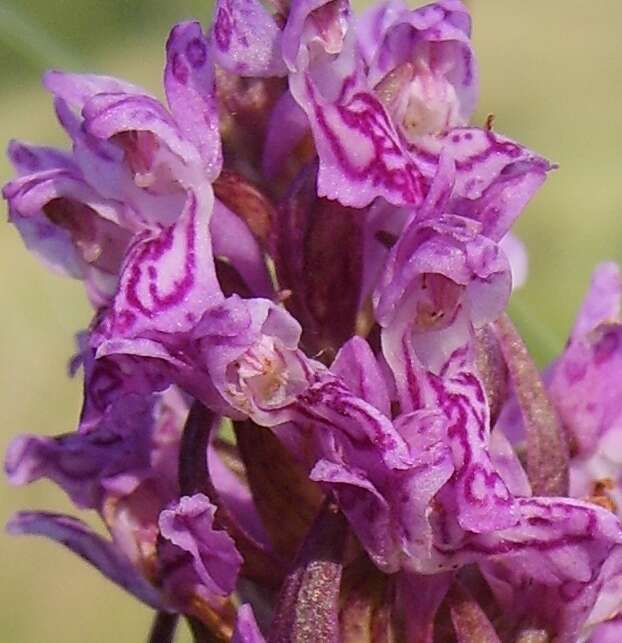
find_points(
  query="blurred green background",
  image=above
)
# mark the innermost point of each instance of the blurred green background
(551, 73)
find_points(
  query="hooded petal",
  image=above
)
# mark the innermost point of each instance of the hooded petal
(421, 64)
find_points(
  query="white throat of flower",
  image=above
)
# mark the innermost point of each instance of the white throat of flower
(261, 377)
(420, 100)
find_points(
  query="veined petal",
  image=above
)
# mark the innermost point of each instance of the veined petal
(357, 366)
(361, 156)
(483, 157)
(168, 280)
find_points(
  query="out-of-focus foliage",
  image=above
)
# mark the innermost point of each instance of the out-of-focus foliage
(551, 74)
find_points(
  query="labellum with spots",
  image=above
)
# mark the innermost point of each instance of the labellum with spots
(307, 416)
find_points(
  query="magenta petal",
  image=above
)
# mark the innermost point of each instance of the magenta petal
(234, 241)
(168, 280)
(361, 156)
(189, 83)
(188, 526)
(435, 41)
(27, 159)
(483, 157)
(247, 39)
(287, 126)
(103, 555)
(246, 628)
(314, 26)
(603, 301)
(110, 114)
(364, 506)
(77, 89)
(503, 201)
(551, 567)
(358, 368)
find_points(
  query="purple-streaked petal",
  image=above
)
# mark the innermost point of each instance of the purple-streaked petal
(156, 148)
(551, 566)
(361, 156)
(249, 348)
(68, 225)
(190, 90)
(503, 201)
(357, 366)
(103, 555)
(364, 506)
(168, 280)
(585, 388)
(447, 265)
(247, 39)
(482, 158)
(75, 462)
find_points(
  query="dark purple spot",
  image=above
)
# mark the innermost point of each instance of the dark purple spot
(606, 346)
(575, 371)
(223, 29)
(179, 69)
(196, 52)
